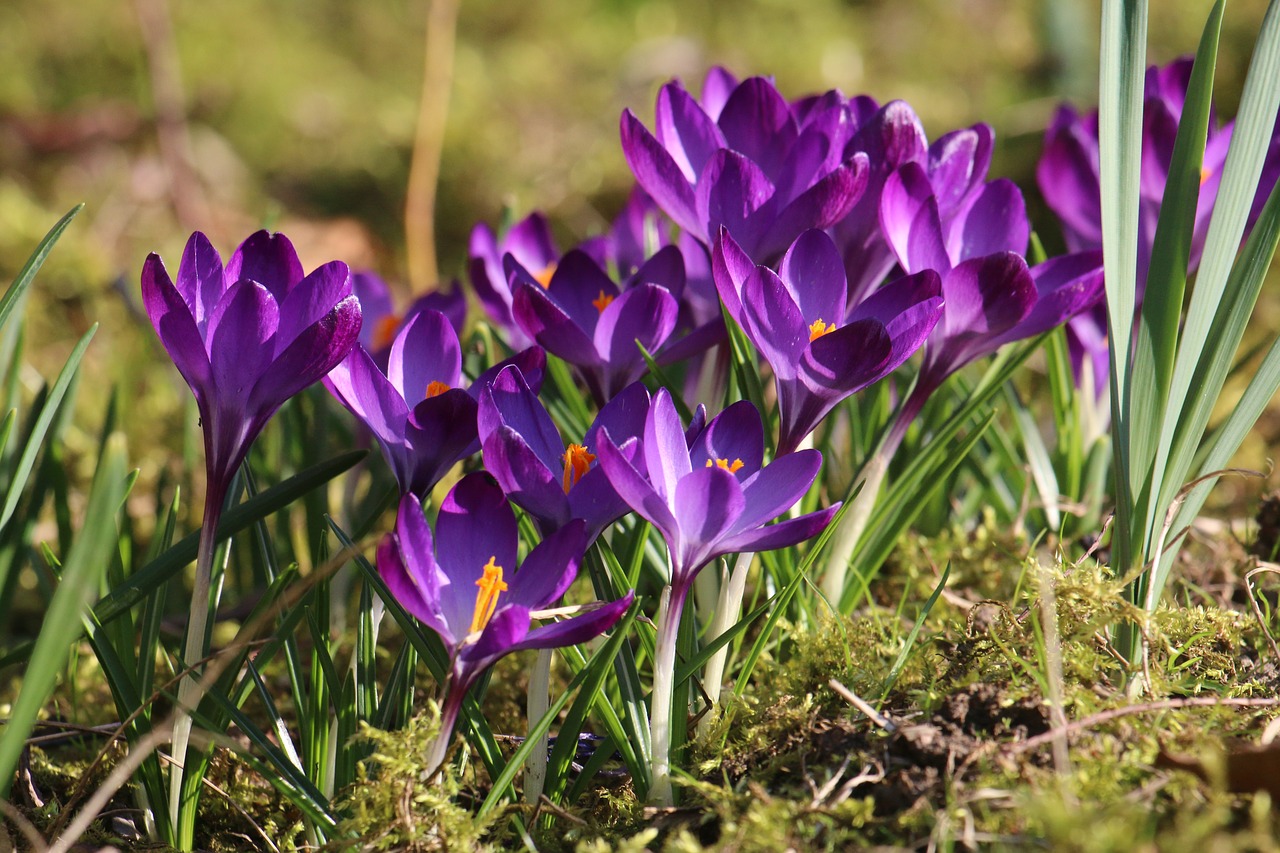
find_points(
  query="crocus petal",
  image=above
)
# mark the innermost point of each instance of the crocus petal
(685, 131)
(957, 164)
(242, 330)
(525, 477)
(508, 401)
(171, 317)
(666, 451)
(633, 488)
(442, 431)
(781, 535)
(579, 629)
(311, 299)
(623, 416)
(268, 259)
(730, 191)
(773, 322)
(360, 386)
(475, 524)
(531, 363)
(645, 313)
(821, 206)
(777, 487)
(577, 284)
(661, 177)
(756, 122)
(550, 568)
(666, 269)
(426, 350)
(391, 567)
(909, 308)
(313, 353)
(736, 434)
(500, 637)
(1067, 285)
(995, 222)
(813, 273)
(730, 267)
(987, 295)
(200, 279)
(909, 217)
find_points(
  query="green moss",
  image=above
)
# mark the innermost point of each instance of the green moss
(390, 807)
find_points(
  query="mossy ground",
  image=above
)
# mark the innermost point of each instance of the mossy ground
(965, 757)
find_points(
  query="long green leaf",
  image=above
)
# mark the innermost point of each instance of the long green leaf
(81, 576)
(31, 451)
(33, 264)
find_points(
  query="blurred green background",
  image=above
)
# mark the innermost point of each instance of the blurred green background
(300, 115)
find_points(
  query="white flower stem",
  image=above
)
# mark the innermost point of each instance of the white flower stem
(664, 675)
(193, 651)
(852, 525)
(537, 703)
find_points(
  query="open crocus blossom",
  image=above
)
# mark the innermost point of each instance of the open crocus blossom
(466, 585)
(246, 337)
(553, 482)
(797, 320)
(754, 165)
(381, 322)
(422, 417)
(708, 497)
(584, 318)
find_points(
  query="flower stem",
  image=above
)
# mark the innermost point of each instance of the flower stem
(536, 705)
(448, 719)
(664, 675)
(194, 650)
(854, 522)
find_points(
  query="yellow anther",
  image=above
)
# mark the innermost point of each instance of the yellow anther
(732, 467)
(818, 328)
(435, 389)
(491, 584)
(577, 461)
(385, 332)
(544, 278)
(602, 301)
(1205, 174)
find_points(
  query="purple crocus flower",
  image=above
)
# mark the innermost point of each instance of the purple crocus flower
(711, 496)
(422, 417)
(1068, 177)
(530, 242)
(582, 316)
(820, 353)
(708, 497)
(554, 483)
(752, 165)
(467, 586)
(945, 218)
(249, 336)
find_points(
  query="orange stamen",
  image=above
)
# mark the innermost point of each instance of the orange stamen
(818, 328)
(602, 301)
(435, 389)
(1205, 174)
(490, 584)
(577, 461)
(544, 278)
(732, 467)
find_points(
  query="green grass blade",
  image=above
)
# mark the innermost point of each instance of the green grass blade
(52, 403)
(1122, 71)
(901, 660)
(33, 264)
(82, 573)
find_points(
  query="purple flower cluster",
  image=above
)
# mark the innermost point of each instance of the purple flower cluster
(828, 230)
